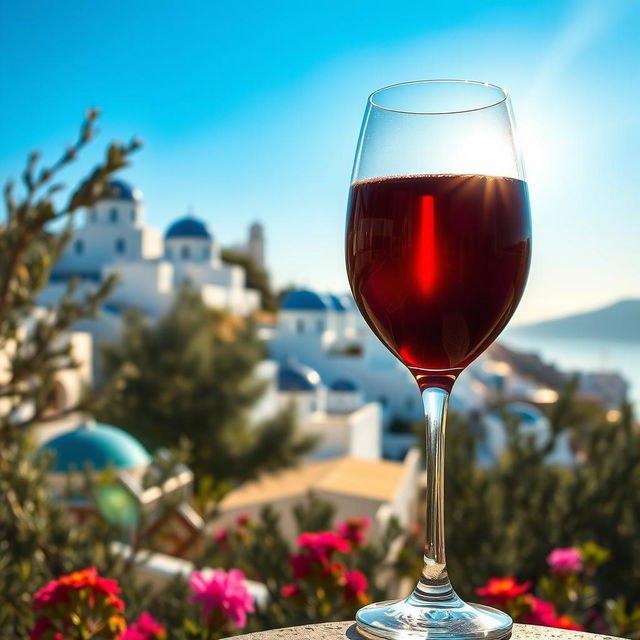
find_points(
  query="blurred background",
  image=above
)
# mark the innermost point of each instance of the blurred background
(214, 345)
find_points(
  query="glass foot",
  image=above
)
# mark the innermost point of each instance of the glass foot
(411, 619)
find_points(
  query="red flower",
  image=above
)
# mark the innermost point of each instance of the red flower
(566, 622)
(499, 591)
(301, 565)
(335, 569)
(352, 529)
(355, 585)
(54, 604)
(290, 591)
(243, 519)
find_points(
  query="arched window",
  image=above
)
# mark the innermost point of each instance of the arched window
(320, 326)
(185, 252)
(300, 325)
(120, 245)
(79, 246)
(113, 215)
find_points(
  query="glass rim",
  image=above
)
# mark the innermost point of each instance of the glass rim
(502, 90)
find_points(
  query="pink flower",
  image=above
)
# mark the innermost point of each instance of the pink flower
(568, 560)
(144, 628)
(542, 613)
(498, 591)
(355, 585)
(225, 592)
(221, 537)
(352, 529)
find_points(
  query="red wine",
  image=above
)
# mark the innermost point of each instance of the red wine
(438, 263)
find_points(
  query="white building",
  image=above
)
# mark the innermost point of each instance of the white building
(113, 239)
(339, 415)
(327, 333)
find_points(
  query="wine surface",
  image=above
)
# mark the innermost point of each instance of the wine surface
(438, 263)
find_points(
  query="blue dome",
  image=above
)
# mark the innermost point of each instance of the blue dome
(527, 414)
(119, 190)
(305, 300)
(188, 227)
(344, 385)
(294, 376)
(98, 445)
(339, 303)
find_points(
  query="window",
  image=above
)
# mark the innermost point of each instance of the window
(113, 215)
(408, 403)
(79, 246)
(185, 252)
(93, 215)
(133, 215)
(299, 325)
(320, 326)
(206, 253)
(384, 401)
(169, 254)
(120, 245)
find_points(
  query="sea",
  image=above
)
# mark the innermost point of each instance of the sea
(579, 354)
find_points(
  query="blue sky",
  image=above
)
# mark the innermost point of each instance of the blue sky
(251, 111)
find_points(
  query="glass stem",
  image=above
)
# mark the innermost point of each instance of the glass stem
(434, 582)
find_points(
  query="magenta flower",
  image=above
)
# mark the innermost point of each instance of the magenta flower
(565, 561)
(542, 613)
(352, 529)
(144, 628)
(222, 592)
(355, 585)
(323, 544)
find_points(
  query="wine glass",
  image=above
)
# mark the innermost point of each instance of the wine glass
(437, 250)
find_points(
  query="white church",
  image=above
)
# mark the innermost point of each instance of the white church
(114, 239)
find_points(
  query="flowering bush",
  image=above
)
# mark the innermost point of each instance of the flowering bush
(145, 628)
(321, 580)
(223, 598)
(567, 598)
(84, 605)
(79, 605)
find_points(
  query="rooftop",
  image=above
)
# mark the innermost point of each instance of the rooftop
(373, 479)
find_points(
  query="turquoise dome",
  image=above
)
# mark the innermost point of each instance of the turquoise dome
(98, 445)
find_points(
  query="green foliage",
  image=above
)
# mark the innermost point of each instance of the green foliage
(257, 278)
(36, 350)
(192, 374)
(36, 542)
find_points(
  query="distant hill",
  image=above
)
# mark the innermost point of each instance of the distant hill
(619, 321)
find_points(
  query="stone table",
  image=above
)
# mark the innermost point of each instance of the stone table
(346, 630)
